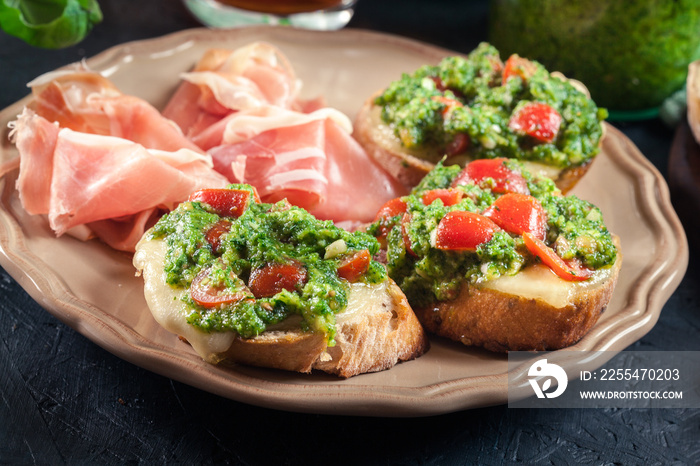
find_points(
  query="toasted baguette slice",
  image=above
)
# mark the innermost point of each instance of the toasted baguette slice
(380, 142)
(533, 310)
(376, 330)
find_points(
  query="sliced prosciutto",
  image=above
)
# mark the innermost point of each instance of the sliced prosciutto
(225, 81)
(88, 102)
(245, 125)
(286, 162)
(243, 107)
(37, 137)
(311, 159)
(122, 233)
(80, 178)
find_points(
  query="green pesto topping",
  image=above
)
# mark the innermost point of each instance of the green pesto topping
(264, 234)
(415, 107)
(575, 229)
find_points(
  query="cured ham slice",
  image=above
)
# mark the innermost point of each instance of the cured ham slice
(225, 81)
(88, 102)
(259, 70)
(358, 186)
(287, 162)
(101, 163)
(124, 233)
(80, 178)
(243, 107)
(36, 136)
(311, 159)
(242, 126)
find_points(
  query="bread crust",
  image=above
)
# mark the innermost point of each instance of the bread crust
(376, 138)
(503, 322)
(380, 143)
(383, 334)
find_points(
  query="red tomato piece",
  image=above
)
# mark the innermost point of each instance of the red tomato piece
(463, 231)
(354, 265)
(449, 103)
(460, 142)
(458, 145)
(504, 179)
(226, 202)
(568, 270)
(215, 232)
(388, 211)
(272, 278)
(537, 120)
(205, 294)
(519, 213)
(391, 209)
(439, 85)
(518, 66)
(448, 197)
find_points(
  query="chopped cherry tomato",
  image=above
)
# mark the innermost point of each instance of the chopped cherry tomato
(388, 211)
(505, 180)
(519, 213)
(226, 202)
(215, 232)
(449, 103)
(204, 294)
(460, 142)
(272, 278)
(463, 231)
(391, 209)
(458, 145)
(439, 84)
(256, 196)
(518, 66)
(405, 220)
(568, 270)
(354, 265)
(448, 197)
(536, 120)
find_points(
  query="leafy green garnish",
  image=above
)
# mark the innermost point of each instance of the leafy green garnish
(50, 24)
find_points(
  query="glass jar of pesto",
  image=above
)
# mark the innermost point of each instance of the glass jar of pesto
(630, 55)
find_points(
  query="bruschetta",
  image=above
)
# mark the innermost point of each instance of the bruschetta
(493, 256)
(270, 285)
(475, 107)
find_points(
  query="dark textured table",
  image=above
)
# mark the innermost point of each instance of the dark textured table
(63, 399)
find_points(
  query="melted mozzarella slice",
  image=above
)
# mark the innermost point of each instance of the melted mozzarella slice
(539, 282)
(541, 170)
(363, 297)
(166, 302)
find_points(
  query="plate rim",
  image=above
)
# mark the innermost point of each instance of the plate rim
(113, 335)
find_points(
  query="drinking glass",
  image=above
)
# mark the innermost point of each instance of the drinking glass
(322, 15)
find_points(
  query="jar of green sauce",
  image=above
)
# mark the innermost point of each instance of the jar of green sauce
(630, 55)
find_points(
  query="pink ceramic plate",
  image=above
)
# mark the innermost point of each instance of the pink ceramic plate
(93, 288)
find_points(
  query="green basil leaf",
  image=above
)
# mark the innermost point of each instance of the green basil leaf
(51, 24)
